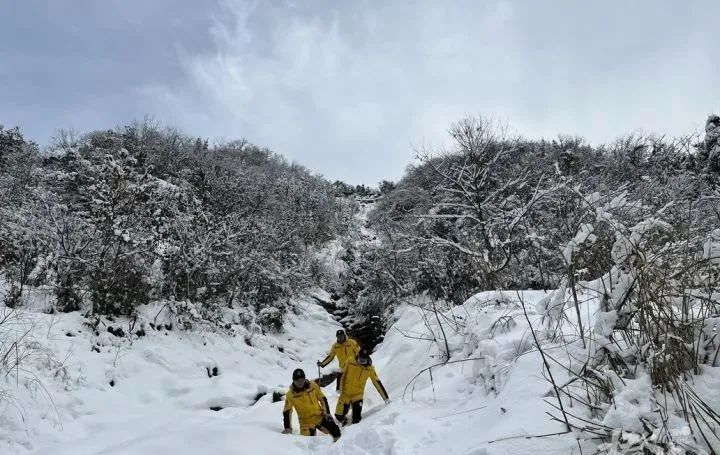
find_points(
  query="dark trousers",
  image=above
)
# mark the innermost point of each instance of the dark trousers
(329, 425)
(356, 412)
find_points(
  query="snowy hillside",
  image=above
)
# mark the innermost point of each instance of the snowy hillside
(484, 401)
(163, 390)
(168, 317)
(155, 394)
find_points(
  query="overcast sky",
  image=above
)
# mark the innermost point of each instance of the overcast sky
(349, 88)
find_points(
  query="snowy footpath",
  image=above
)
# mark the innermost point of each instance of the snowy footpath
(156, 394)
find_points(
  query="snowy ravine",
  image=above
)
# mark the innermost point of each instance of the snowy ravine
(162, 393)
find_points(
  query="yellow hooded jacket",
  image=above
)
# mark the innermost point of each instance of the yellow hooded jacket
(310, 404)
(353, 380)
(348, 349)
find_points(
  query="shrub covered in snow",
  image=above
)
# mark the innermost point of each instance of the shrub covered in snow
(629, 227)
(114, 219)
(499, 211)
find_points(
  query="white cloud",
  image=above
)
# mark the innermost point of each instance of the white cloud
(346, 90)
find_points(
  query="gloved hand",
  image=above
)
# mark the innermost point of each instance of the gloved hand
(287, 431)
(388, 401)
(319, 363)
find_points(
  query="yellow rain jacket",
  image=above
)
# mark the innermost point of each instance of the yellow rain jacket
(310, 404)
(352, 383)
(348, 349)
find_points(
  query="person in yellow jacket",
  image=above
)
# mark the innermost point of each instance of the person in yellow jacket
(352, 387)
(312, 408)
(345, 348)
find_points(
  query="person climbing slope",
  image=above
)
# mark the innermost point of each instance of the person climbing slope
(352, 386)
(312, 408)
(345, 348)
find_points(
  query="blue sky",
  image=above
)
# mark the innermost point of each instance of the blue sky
(351, 89)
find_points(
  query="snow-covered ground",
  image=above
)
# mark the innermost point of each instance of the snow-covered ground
(490, 398)
(161, 395)
(486, 400)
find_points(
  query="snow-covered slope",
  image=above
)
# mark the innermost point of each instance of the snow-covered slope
(484, 401)
(162, 394)
(154, 394)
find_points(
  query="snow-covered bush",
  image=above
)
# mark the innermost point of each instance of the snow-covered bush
(657, 305)
(712, 145)
(18, 248)
(114, 219)
(630, 226)
(271, 318)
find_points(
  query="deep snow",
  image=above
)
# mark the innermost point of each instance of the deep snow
(161, 399)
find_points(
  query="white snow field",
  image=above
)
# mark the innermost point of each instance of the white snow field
(486, 401)
(162, 394)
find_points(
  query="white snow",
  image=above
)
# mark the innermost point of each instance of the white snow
(162, 394)
(489, 398)
(584, 234)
